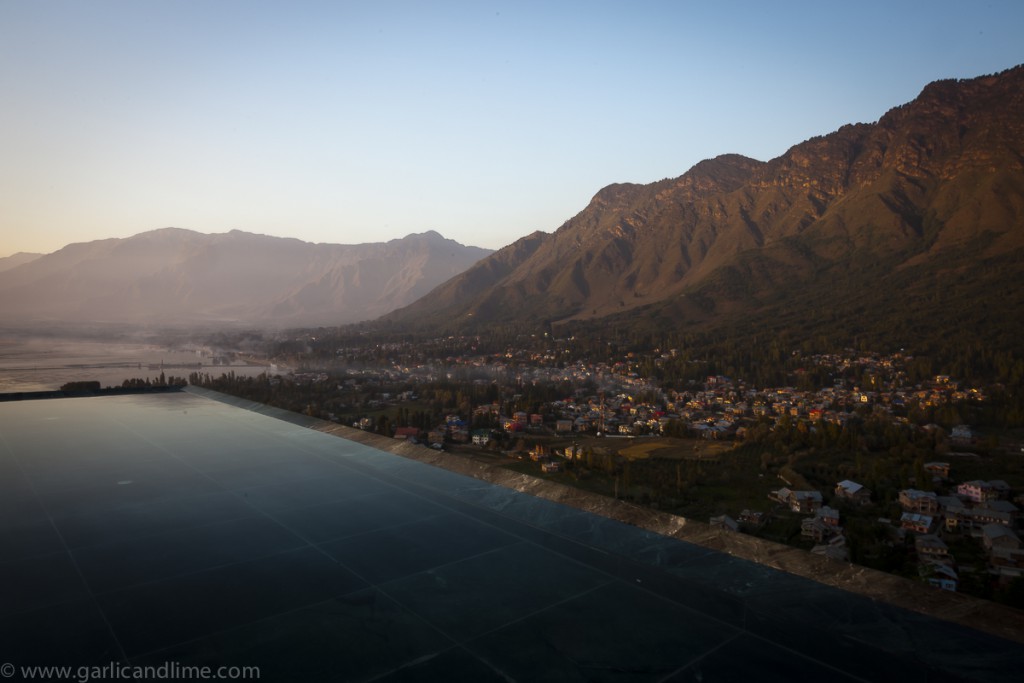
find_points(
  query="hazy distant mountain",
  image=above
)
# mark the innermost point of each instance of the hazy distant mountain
(921, 213)
(15, 260)
(180, 277)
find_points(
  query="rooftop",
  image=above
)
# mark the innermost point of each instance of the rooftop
(142, 530)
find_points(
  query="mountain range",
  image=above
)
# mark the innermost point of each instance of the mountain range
(917, 218)
(911, 227)
(179, 277)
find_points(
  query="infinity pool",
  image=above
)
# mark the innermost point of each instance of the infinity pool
(147, 530)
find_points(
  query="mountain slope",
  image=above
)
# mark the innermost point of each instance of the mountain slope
(178, 277)
(935, 186)
(15, 260)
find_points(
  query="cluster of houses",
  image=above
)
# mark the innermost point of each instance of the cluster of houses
(979, 510)
(622, 402)
(724, 408)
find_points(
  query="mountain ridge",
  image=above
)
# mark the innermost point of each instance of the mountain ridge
(176, 276)
(17, 259)
(941, 174)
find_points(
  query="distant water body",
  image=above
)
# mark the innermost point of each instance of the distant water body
(44, 364)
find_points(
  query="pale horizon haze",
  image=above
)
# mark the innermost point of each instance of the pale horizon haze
(353, 122)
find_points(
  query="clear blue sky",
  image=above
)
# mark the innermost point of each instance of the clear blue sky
(354, 122)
